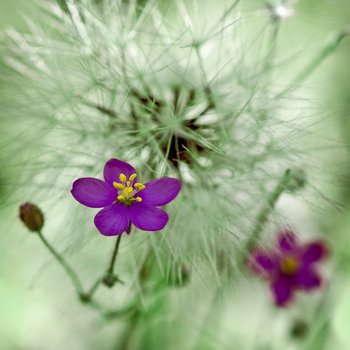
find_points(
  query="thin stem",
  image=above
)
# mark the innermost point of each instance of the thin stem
(94, 288)
(110, 270)
(73, 276)
(269, 206)
(86, 298)
(306, 72)
(320, 57)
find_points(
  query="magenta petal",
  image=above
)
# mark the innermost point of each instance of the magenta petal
(263, 263)
(160, 192)
(282, 292)
(93, 193)
(313, 251)
(112, 220)
(115, 167)
(287, 240)
(147, 218)
(307, 279)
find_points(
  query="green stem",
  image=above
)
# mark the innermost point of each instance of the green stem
(110, 270)
(269, 206)
(73, 276)
(306, 72)
(93, 289)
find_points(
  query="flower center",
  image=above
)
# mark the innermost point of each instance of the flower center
(289, 266)
(126, 192)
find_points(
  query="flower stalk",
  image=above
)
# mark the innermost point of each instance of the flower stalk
(71, 273)
(110, 278)
(268, 208)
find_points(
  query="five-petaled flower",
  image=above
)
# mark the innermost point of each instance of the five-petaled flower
(289, 267)
(125, 200)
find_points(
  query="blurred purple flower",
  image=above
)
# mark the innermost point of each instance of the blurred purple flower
(125, 200)
(289, 267)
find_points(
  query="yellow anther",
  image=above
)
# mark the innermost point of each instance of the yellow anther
(128, 184)
(139, 199)
(132, 177)
(130, 189)
(139, 186)
(121, 198)
(118, 185)
(122, 178)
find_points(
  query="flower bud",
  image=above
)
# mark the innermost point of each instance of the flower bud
(31, 216)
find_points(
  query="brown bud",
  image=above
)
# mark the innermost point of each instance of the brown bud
(31, 216)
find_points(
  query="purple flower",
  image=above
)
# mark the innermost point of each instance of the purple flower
(289, 267)
(125, 200)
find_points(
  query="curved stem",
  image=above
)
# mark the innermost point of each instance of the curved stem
(71, 273)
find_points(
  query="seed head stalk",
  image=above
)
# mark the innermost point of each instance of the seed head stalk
(310, 68)
(268, 208)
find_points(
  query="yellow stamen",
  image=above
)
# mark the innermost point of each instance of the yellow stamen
(130, 189)
(139, 186)
(122, 178)
(121, 198)
(132, 177)
(289, 266)
(128, 183)
(118, 186)
(139, 199)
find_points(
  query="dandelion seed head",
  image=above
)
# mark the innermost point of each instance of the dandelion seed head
(175, 101)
